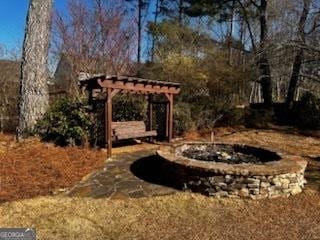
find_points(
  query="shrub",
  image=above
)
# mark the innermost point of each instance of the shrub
(128, 108)
(232, 117)
(207, 119)
(258, 117)
(67, 122)
(216, 117)
(182, 118)
(306, 112)
(282, 115)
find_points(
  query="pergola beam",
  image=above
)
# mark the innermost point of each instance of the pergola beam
(132, 86)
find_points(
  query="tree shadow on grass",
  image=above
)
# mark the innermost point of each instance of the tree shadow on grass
(153, 169)
(312, 173)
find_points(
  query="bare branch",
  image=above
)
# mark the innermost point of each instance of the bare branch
(255, 4)
(246, 19)
(311, 77)
(315, 25)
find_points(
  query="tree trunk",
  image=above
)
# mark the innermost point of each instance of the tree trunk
(294, 79)
(230, 34)
(263, 63)
(265, 79)
(33, 82)
(293, 84)
(140, 5)
(153, 36)
(180, 17)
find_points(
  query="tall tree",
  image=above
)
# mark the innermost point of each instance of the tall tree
(34, 73)
(230, 32)
(263, 62)
(141, 6)
(93, 39)
(155, 21)
(246, 9)
(181, 11)
(293, 84)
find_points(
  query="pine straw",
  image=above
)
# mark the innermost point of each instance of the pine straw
(179, 216)
(33, 168)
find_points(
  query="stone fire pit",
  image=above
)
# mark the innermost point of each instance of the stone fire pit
(233, 170)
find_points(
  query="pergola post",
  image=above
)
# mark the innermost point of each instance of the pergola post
(108, 119)
(108, 122)
(170, 116)
(150, 112)
(167, 119)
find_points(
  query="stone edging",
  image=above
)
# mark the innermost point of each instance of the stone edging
(284, 177)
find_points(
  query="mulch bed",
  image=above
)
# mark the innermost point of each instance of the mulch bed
(32, 168)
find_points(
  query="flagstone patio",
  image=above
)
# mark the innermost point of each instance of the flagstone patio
(117, 179)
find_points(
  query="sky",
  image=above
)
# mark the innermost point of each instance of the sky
(13, 15)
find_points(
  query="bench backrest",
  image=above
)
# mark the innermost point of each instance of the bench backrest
(128, 127)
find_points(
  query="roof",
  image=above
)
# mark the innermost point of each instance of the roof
(130, 83)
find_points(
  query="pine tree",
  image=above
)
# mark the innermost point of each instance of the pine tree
(34, 74)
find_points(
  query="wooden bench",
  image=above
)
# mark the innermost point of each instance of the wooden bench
(130, 130)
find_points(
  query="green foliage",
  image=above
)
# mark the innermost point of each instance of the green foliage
(306, 112)
(67, 122)
(210, 86)
(182, 118)
(212, 8)
(172, 37)
(128, 108)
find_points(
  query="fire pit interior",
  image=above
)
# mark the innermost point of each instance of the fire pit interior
(233, 170)
(226, 153)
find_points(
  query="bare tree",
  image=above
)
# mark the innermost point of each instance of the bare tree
(292, 44)
(263, 62)
(298, 59)
(34, 72)
(95, 39)
(155, 21)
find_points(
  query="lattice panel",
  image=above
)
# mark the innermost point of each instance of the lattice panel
(159, 119)
(97, 133)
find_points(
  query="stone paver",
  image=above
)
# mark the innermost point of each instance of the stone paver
(117, 181)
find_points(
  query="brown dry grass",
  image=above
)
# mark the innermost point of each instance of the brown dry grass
(32, 168)
(180, 216)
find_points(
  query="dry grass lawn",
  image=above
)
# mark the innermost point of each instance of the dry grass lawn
(180, 216)
(183, 215)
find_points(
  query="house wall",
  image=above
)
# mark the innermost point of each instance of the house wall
(9, 94)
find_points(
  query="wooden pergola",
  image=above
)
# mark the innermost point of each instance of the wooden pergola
(114, 84)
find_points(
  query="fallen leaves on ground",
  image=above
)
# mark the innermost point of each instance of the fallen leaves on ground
(32, 168)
